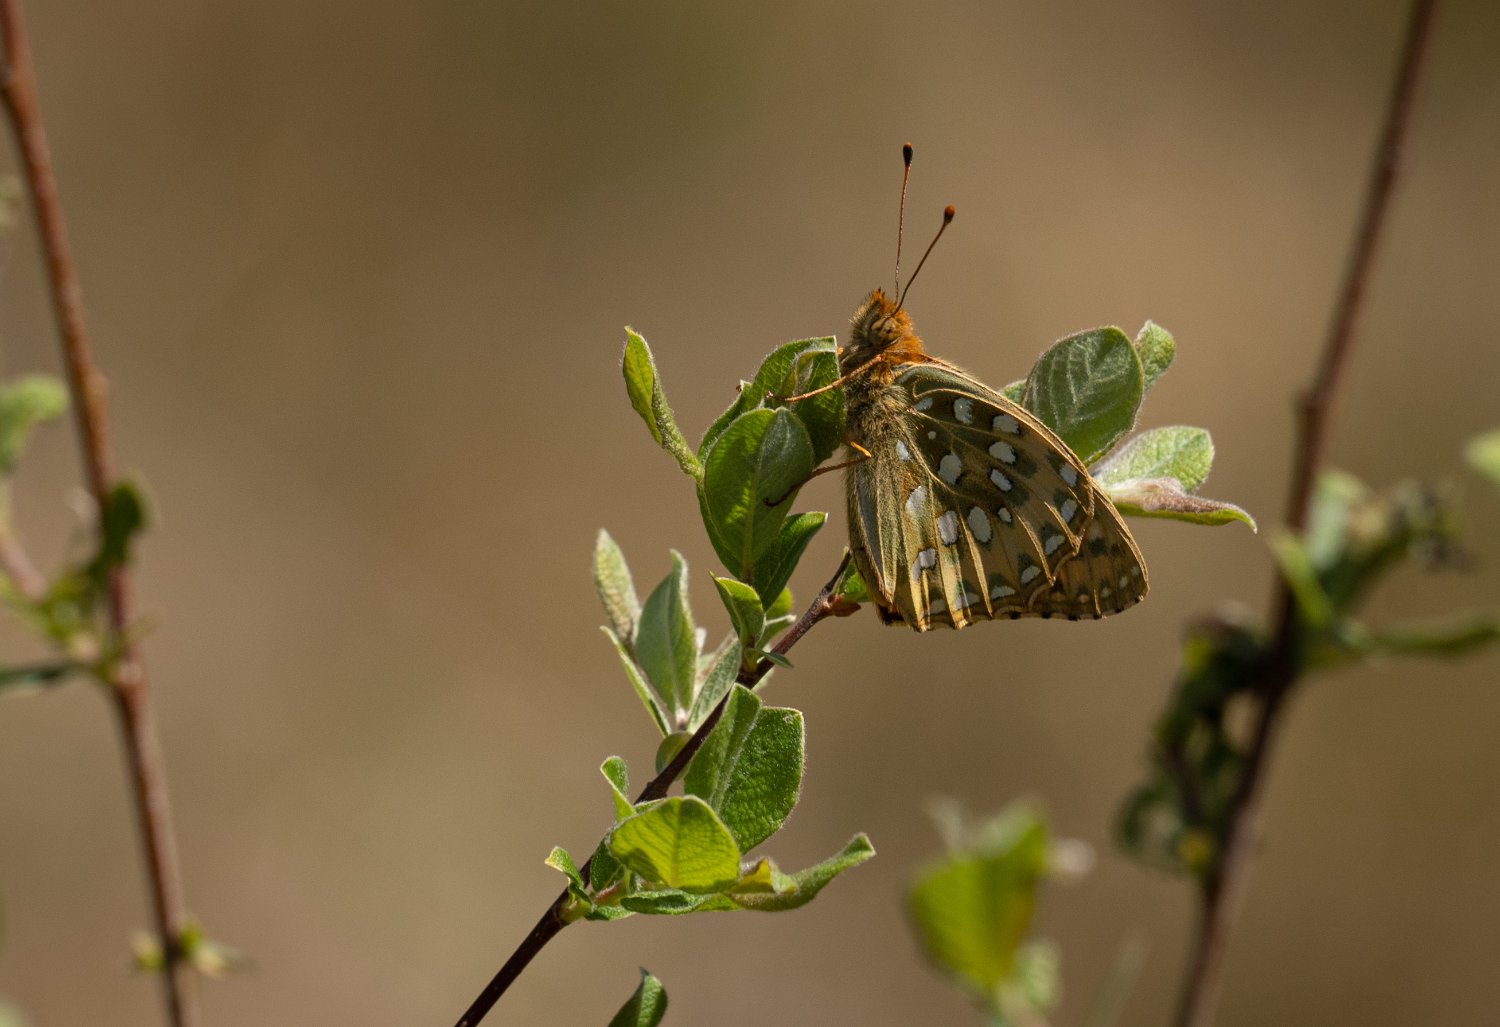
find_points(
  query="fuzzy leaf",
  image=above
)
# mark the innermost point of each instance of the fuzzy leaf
(716, 683)
(763, 456)
(1180, 452)
(750, 768)
(637, 678)
(579, 904)
(804, 885)
(745, 611)
(1156, 348)
(646, 1007)
(1087, 388)
(792, 370)
(679, 842)
(618, 776)
(1164, 497)
(616, 590)
(774, 568)
(666, 644)
(643, 385)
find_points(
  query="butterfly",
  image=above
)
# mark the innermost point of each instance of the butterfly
(963, 506)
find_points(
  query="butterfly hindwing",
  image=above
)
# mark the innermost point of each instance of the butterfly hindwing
(971, 509)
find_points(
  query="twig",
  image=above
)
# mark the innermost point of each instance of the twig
(125, 675)
(1224, 887)
(823, 605)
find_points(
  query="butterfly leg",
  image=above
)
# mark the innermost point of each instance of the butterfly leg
(836, 383)
(865, 454)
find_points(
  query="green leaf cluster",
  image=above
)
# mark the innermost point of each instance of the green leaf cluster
(752, 461)
(69, 611)
(660, 647)
(972, 911)
(1355, 538)
(1088, 388)
(687, 853)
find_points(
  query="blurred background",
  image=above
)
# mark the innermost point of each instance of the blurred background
(358, 275)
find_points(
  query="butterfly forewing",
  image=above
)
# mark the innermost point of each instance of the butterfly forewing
(971, 509)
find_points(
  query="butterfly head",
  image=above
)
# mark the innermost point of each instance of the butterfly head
(879, 326)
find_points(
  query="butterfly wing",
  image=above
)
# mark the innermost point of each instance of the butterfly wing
(972, 509)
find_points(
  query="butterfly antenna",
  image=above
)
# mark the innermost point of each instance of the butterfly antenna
(901, 211)
(947, 220)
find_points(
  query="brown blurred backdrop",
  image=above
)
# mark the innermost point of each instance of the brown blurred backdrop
(358, 273)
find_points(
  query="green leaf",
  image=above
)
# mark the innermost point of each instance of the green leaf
(646, 1007)
(972, 909)
(774, 568)
(749, 769)
(772, 655)
(1179, 452)
(804, 884)
(810, 364)
(616, 590)
(851, 587)
(745, 611)
(616, 773)
(1302, 578)
(637, 678)
(1164, 497)
(764, 456)
(666, 644)
(559, 859)
(1453, 637)
(1014, 391)
(762, 888)
(779, 617)
(643, 385)
(604, 872)
(579, 904)
(123, 517)
(792, 370)
(1337, 495)
(679, 842)
(716, 683)
(1087, 388)
(781, 606)
(670, 746)
(35, 676)
(24, 403)
(1483, 454)
(1156, 348)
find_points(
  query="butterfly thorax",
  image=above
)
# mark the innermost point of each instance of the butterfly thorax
(880, 328)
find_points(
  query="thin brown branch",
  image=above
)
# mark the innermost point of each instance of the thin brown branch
(1224, 888)
(126, 675)
(823, 605)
